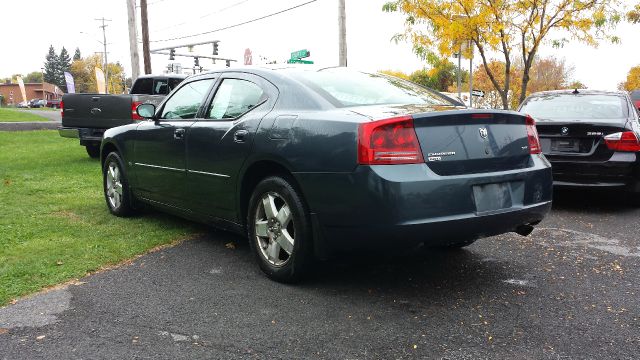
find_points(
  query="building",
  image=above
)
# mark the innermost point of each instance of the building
(12, 95)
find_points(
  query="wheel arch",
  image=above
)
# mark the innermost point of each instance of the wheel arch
(255, 172)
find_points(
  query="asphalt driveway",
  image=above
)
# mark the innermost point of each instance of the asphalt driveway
(569, 291)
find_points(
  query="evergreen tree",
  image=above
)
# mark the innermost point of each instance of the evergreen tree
(64, 64)
(77, 55)
(51, 66)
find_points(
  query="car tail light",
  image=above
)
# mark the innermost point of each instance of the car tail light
(134, 111)
(623, 141)
(532, 136)
(61, 108)
(389, 141)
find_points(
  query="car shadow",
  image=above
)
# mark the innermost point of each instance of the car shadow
(594, 200)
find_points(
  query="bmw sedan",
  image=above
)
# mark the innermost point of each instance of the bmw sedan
(308, 162)
(591, 137)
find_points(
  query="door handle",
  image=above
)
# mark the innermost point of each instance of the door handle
(95, 111)
(178, 134)
(239, 136)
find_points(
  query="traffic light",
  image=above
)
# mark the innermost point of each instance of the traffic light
(196, 62)
(228, 63)
(172, 54)
(215, 48)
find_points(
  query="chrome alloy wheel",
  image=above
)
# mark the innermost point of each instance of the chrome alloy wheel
(114, 185)
(274, 229)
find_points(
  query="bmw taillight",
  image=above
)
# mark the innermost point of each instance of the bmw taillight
(134, 111)
(389, 141)
(532, 136)
(61, 108)
(623, 141)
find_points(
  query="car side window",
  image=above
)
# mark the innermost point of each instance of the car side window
(235, 97)
(184, 104)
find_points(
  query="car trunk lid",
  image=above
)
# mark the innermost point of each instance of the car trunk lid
(464, 141)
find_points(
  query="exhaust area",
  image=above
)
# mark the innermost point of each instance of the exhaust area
(524, 230)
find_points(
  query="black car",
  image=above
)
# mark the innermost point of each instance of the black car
(590, 137)
(306, 162)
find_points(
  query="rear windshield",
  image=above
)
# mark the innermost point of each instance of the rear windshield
(579, 106)
(353, 88)
(635, 95)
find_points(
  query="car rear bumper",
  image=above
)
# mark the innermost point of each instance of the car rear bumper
(410, 204)
(622, 170)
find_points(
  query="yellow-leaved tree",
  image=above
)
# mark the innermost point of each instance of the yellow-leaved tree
(633, 80)
(85, 79)
(509, 29)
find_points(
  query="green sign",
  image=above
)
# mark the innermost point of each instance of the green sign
(300, 54)
(298, 61)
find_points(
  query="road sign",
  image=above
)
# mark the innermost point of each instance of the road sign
(248, 58)
(298, 61)
(300, 54)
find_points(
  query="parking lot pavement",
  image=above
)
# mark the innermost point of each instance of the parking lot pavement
(53, 115)
(569, 291)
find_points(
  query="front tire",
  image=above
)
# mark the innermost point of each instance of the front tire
(116, 186)
(279, 230)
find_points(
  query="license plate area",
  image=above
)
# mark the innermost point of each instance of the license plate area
(565, 145)
(498, 196)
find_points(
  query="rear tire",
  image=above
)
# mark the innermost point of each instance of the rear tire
(279, 230)
(116, 187)
(93, 150)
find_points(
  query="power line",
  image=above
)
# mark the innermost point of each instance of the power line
(236, 25)
(203, 16)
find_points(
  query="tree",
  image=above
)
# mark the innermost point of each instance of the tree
(33, 77)
(84, 76)
(633, 80)
(398, 74)
(64, 64)
(77, 55)
(504, 27)
(51, 66)
(633, 16)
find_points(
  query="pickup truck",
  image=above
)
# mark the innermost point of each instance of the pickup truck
(88, 116)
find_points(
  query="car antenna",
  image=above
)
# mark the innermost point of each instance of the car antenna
(575, 91)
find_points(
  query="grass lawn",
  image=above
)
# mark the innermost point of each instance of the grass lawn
(14, 115)
(54, 223)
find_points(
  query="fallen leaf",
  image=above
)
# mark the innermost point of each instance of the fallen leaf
(40, 337)
(415, 346)
(230, 245)
(3, 331)
(59, 263)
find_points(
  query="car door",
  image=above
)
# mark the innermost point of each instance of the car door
(218, 144)
(159, 152)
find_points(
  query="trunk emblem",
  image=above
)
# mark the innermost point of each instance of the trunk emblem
(483, 133)
(564, 130)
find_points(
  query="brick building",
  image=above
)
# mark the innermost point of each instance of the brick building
(13, 96)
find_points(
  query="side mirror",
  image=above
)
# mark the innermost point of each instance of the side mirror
(147, 111)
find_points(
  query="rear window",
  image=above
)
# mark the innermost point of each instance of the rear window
(353, 88)
(578, 106)
(635, 95)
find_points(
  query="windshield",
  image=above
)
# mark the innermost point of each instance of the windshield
(578, 106)
(353, 88)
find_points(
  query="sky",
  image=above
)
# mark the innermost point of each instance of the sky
(26, 37)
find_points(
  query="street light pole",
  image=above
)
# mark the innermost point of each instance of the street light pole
(106, 62)
(43, 93)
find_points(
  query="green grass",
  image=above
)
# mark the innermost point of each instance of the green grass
(54, 223)
(14, 115)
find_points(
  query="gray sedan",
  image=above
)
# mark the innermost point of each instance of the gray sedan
(309, 162)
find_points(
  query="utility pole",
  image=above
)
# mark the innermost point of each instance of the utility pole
(104, 43)
(471, 75)
(145, 36)
(133, 39)
(342, 34)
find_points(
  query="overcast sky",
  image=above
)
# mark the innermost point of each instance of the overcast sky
(28, 31)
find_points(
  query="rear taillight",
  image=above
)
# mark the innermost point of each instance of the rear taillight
(134, 111)
(623, 141)
(532, 136)
(61, 108)
(389, 141)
